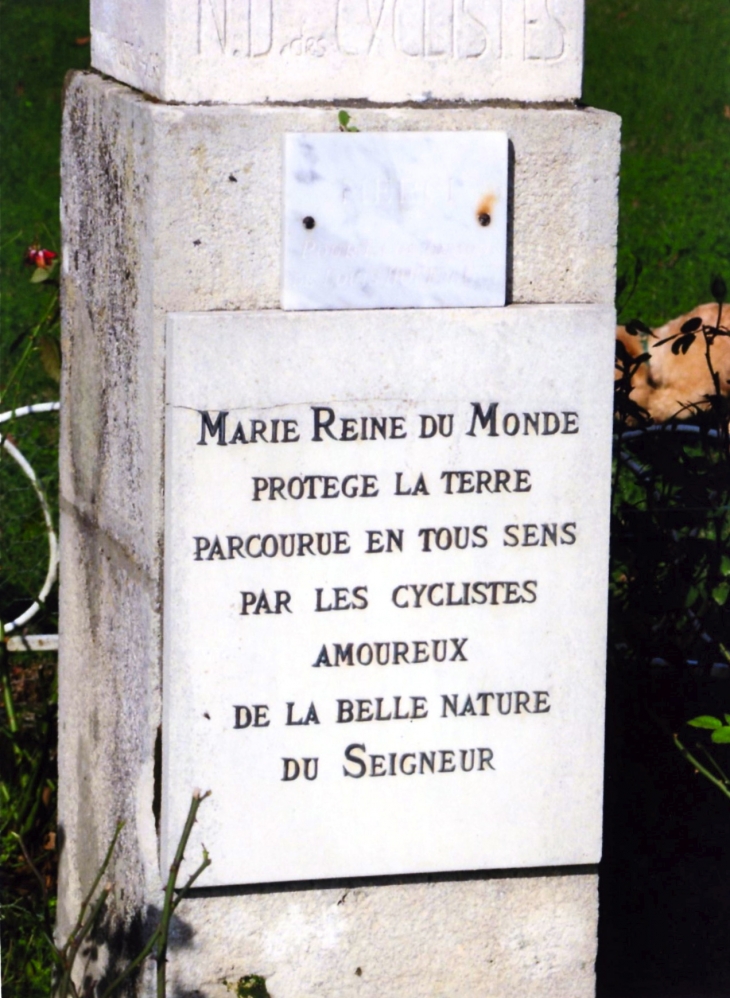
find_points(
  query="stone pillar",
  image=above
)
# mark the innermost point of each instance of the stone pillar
(172, 194)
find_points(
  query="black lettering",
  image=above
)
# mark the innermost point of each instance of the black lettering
(487, 420)
(310, 772)
(322, 658)
(377, 765)
(568, 533)
(235, 545)
(239, 437)
(243, 716)
(426, 759)
(324, 417)
(449, 703)
(201, 544)
(549, 534)
(522, 700)
(260, 718)
(541, 702)
(551, 424)
(345, 712)
(214, 428)
(291, 770)
(570, 422)
(351, 757)
(410, 771)
(523, 480)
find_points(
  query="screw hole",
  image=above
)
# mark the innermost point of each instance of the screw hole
(308, 222)
(483, 218)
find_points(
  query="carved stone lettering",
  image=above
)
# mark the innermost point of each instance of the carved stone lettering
(544, 34)
(235, 27)
(383, 51)
(419, 29)
(455, 29)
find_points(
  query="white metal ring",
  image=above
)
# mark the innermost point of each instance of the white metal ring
(13, 451)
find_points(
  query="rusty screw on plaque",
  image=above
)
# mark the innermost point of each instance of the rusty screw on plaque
(484, 218)
(308, 222)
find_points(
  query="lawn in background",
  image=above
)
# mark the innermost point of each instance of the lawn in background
(39, 43)
(664, 66)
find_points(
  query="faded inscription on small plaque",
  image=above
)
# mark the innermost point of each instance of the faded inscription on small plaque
(395, 220)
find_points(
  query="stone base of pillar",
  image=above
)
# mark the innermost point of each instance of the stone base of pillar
(177, 208)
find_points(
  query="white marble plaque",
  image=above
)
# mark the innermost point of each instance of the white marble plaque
(254, 51)
(395, 220)
(385, 589)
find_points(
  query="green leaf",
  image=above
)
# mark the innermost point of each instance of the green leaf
(725, 564)
(40, 274)
(705, 721)
(343, 117)
(727, 718)
(722, 735)
(720, 593)
(50, 352)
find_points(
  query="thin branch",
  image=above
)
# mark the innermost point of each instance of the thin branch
(75, 941)
(167, 907)
(700, 768)
(714, 763)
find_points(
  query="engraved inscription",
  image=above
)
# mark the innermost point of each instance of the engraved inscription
(544, 34)
(137, 59)
(236, 27)
(418, 29)
(458, 29)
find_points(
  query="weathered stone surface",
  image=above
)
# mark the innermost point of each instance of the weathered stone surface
(465, 937)
(253, 51)
(168, 209)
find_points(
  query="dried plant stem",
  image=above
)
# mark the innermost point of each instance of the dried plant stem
(170, 902)
(157, 941)
(720, 784)
(68, 953)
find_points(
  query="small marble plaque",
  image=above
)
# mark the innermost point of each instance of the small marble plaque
(395, 220)
(386, 551)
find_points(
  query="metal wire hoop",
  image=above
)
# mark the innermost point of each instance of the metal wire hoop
(52, 572)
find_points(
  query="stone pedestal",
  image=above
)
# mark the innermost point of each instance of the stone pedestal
(170, 208)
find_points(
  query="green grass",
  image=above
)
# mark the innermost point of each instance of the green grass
(664, 66)
(37, 47)
(38, 44)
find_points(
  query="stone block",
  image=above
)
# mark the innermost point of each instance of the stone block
(190, 198)
(389, 51)
(465, 936)
(169, 208)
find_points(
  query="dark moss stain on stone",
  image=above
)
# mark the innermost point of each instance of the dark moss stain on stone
(250, 986)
